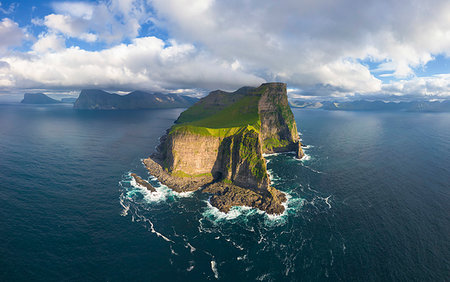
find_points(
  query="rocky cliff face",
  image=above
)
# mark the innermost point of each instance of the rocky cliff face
(222, 139)
(278, 127)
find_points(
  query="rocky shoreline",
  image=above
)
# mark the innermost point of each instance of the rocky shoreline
(178, 184)
(224, 195)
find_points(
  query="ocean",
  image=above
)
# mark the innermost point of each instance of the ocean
(369, 202)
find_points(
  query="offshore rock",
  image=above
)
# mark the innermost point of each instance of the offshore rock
(142, 182)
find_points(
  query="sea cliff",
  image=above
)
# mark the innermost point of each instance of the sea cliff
(219, 142)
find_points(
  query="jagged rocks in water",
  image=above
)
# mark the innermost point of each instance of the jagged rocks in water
(226, 196)
(143, 183)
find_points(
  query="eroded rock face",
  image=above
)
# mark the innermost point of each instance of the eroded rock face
(192, 155)
(240, 160)
(278, 126)
(228, 160)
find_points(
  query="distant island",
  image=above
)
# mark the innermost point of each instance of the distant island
(38, 98)
(95, 99)
(362, 105)
(218, 145)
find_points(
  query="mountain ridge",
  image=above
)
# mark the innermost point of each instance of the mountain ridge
(96, 99)
(364, 105)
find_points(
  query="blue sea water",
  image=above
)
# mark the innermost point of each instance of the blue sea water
(370, 202)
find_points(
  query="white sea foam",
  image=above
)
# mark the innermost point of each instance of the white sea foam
(191, 266)
(125, 206)
(184, 194)
(142, 218)
(191, 248)
(305, 157)
(214, 269)
(216, 215)
(162, 191)
(160, 195)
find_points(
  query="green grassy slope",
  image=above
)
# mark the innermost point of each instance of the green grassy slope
(235, 112)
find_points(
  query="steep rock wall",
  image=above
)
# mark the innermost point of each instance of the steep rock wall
(278, 126)
(190, 154)
(237, 157)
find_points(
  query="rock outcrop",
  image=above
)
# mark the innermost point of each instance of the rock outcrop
(142, 182)
(219, 144)
(95, 99)
(38, 98)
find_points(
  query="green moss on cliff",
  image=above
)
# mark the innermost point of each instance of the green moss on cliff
(202, 120)
(180, 173)
(273, 142)
(248, 150)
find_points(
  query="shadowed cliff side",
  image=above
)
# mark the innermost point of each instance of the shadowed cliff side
(95, 99)
(38, 98)
(219, 143)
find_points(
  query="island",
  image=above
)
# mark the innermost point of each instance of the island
(95, 99)
(38, 98)
(218, 146)
(364, 105)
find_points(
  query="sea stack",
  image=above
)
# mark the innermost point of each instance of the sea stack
(219, 142)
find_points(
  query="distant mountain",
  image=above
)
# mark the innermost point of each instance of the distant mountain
(362, 105)
(69, 100)
(38, 98)
(95, 99)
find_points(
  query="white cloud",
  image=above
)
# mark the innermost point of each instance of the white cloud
(72, 27)
(49, 42)
(308, 43)
(110, 21)
(10, 34)
(437, 86)
(147, 63)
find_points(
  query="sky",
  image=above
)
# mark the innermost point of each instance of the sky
(322, 49)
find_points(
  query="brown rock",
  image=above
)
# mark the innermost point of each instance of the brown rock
(142, 182)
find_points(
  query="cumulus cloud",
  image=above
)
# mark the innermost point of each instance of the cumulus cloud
(48, 43)
(109, 21)
(436, 86)
(308, 43)
(147, 63)
(10, 34)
